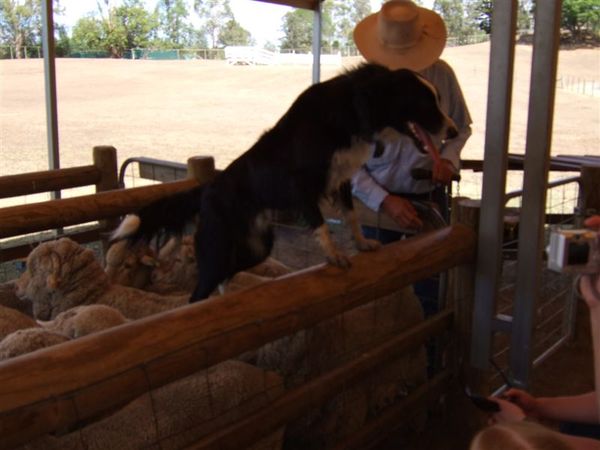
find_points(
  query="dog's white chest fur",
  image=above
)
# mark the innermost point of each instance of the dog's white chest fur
(346, 162)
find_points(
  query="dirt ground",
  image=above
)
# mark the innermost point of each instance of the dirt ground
(176, 109)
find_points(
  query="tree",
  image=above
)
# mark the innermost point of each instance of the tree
(216, 14)
(580, 15)
(344, 15)
(297, 29)
(134, 25)
(233, 34)
(88, 34)
(20, 24)
(172, 15)
(117, 29)
(483, 15)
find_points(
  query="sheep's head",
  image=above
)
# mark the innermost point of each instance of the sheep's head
(60, 275)
(130, 266)
(176, 268)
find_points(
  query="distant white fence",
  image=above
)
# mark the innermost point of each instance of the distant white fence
(579, 85)
(257, 56)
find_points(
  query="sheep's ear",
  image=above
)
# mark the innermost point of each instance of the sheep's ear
(115, 253)
(53, 280)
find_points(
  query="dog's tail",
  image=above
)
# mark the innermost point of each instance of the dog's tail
(168, 216)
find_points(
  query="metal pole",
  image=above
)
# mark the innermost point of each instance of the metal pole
(50, 84)
(535, 178)
(316, 44)
(495, 163)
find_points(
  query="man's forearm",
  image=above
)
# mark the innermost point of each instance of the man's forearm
(595, 327)
(578, 408)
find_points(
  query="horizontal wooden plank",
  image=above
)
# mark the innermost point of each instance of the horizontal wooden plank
(293, 404)
(48, 180)
(23, 219)
(305, 4)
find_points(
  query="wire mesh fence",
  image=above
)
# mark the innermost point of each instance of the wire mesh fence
(555, 308)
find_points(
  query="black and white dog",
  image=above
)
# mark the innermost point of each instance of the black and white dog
(307, 158)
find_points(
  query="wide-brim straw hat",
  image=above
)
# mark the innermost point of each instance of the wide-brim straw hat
(401, 35)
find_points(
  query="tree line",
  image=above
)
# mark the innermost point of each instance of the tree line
(118, 25)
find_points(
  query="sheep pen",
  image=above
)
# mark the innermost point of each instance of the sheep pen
(305, 356)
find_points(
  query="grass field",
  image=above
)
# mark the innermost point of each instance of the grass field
(176, 109)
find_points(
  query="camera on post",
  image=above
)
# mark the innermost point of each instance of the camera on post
(573, 251)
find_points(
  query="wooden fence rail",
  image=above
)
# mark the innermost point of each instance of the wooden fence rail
(103, 174)
(298, 401)
(23, 219)
(84, 378)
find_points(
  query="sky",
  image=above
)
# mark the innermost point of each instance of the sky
(262, 20)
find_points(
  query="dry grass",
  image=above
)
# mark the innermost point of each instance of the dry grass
(176, 109)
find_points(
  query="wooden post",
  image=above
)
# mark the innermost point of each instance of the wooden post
(590, 189)
(201, 168)
(462, 285)
(105, 159)
(465, 211)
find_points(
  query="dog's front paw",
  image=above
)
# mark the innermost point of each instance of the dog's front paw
(367, 245)
(339, 260)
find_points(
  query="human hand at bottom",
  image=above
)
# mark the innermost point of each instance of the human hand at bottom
(509, 412)
(402, 211)
(524, 400)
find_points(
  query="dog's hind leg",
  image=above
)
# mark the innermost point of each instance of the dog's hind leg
(347, 206)
(213, 248)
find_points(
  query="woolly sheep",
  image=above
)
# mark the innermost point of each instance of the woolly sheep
(179, 414)
(83, 320)
(308, 353)
(12, 320)
(9, 298)
(174, 270)
(62, 274)
(28, 340)
(130, 265)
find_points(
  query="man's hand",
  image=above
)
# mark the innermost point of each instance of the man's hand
(442, 171)
(509, 412)
(527, 402)
(402, 211)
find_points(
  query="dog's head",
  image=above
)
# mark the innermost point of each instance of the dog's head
(408, 103)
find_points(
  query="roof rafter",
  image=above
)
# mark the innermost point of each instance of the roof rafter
(305, 4)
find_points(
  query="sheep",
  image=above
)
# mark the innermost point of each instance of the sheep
(179, 414)
(12, 320)
(83, 320)
(174, 269)
(310, 352)
(62, 274)
(9, 298)
(130, 265)
(29, 340)
(20, 334)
